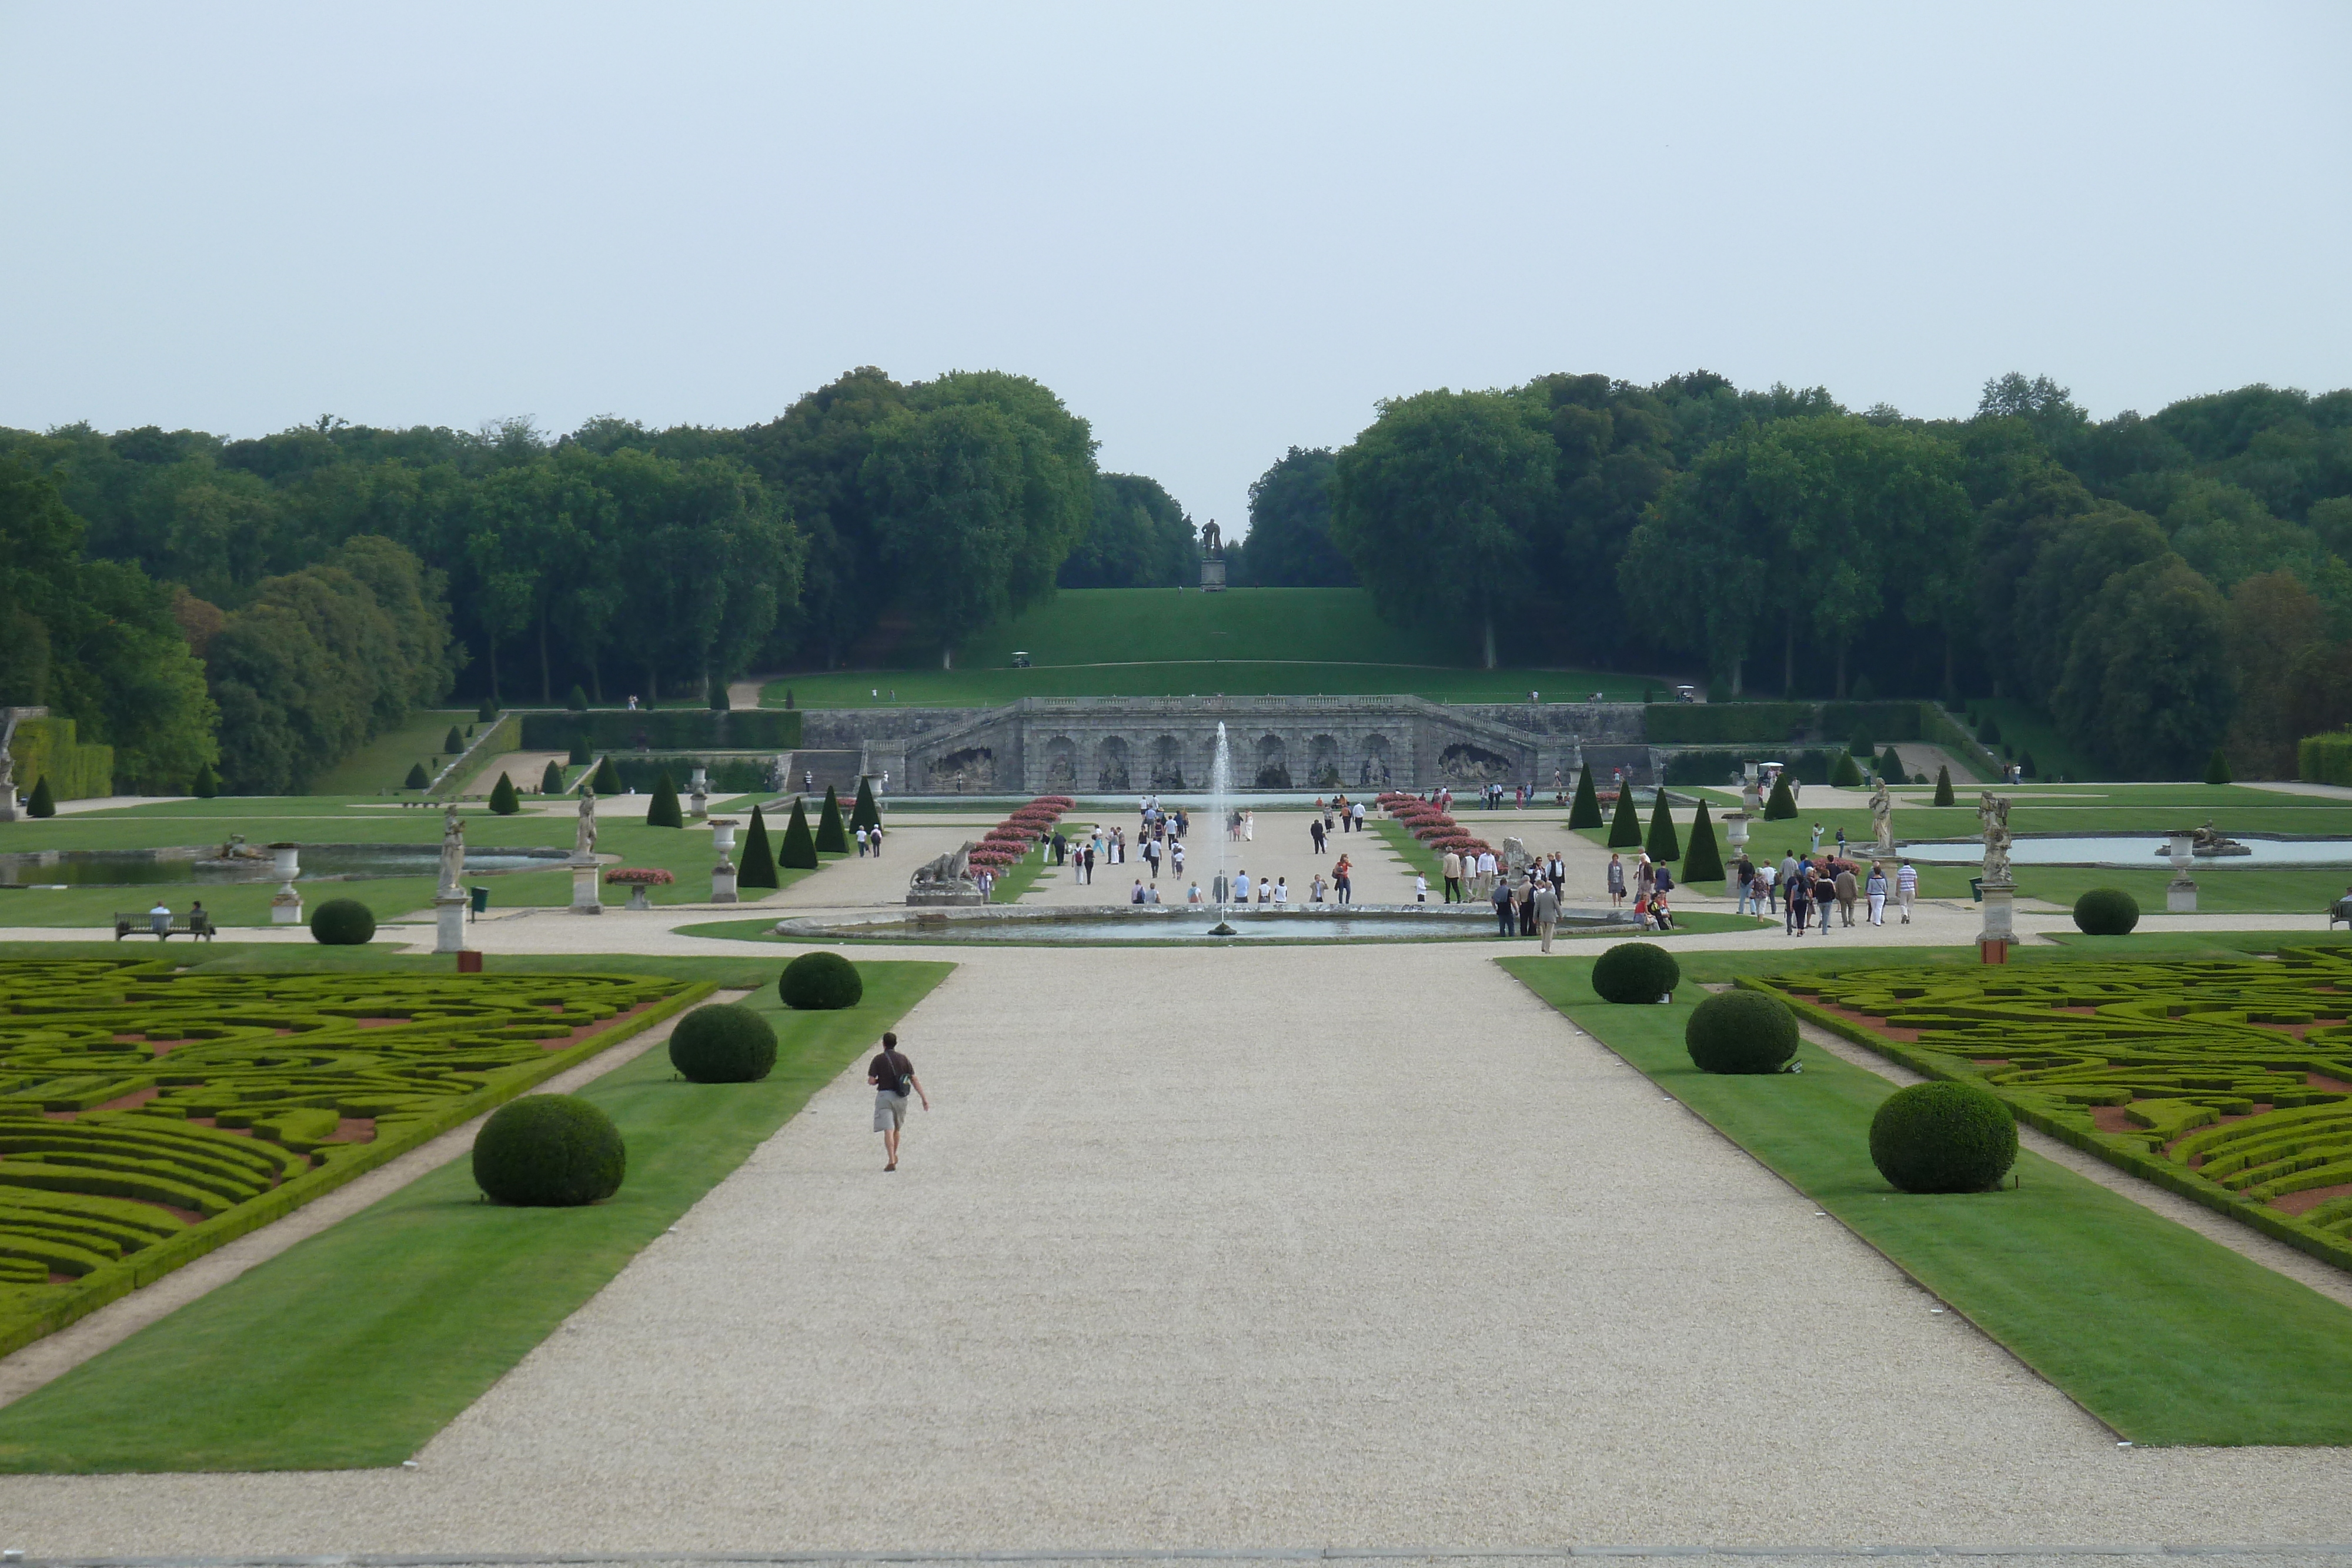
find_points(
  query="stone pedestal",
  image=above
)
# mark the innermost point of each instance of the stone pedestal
(450, 920)
(585, 899)
(637, 899)
(698, 794)
(2000, 906)
(722, 882)
(7, 802)
(2180, 897)
(1213, 574)
(285, 905)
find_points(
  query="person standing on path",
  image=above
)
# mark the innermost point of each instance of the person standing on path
(892, 1075)
(1877, 891)
(1343, 881)
(1846, 892)
(1504, 922)
(1451, 869)
(1616, 883)
(1358, 811)
(1797, 899)
(1547, 911)
(1906, 887)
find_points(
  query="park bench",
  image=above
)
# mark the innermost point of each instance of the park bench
(2340, 910)
(139, 922)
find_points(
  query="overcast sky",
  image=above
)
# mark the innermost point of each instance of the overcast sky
(1215, 232)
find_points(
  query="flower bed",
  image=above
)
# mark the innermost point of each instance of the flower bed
(155, 1115)
(1012, 839)
(638, 876)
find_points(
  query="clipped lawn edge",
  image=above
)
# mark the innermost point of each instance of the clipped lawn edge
(102, 1286)
(2163, 1172)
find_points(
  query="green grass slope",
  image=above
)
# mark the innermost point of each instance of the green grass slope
(2167, 1337)
(353, 1348)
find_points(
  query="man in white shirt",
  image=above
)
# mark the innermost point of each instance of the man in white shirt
(1907, 888)
(1358, 811)
(1241, 887)
(1485, 873)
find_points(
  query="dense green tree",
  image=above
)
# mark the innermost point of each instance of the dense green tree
(416, 779)
(608, 779)
(1586, 811)
(1137, 537)
(504, 801)
(1289, 543)
(1436, 506)
(1943, 787)
(550, 780)
(759, 864)
(43, 801)
(2148, 681)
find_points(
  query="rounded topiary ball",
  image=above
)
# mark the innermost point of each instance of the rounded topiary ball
(1635, 972)
(1742, 1031)
(549, 1151)
(1943, 1137)
(725, 1042)
(819, 982)
(2106, 912)
(343, 923)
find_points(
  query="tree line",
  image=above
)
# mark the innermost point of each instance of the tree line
(2160, 585)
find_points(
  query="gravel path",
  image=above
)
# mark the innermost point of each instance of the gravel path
(1243, 1249)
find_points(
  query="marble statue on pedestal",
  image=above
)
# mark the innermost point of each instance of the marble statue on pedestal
(453, 850)
(1992, 811)
(1882, 820)
(583, 836)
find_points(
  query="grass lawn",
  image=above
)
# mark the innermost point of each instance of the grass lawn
(354, 1348)
(383, 764)
(2164, 1335)
(685, 852)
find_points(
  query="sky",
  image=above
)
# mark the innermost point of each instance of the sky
(1216, 232)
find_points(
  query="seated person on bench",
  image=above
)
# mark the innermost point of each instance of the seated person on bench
(160, 917)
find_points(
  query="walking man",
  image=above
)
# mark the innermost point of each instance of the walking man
(892, 1075)
(1504, 923)
(1907, 888)
(1451, 870)
(1547, 911)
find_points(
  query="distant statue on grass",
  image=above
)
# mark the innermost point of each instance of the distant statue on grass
(1882, 820)
(1211, 540)
(453, 849)
(1992, 811)
(583, 838)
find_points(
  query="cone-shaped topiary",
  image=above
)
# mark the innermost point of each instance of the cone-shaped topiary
(502, 797)
(1662, 845)
(831, 837)
(718, 699)
(578, 756)
(551, 781)
(1740, 1031)
(1704, 863)
(1845, 775)
(416, 779)
(819, 982)
(453, 742)
(608, 781)
(1586, 811)
(798, 852)
(2106, 912)
(1860, 745)
(578, 701)
(865, 813)
(1781, 804)
(725, 1042)
(1890, 767)
(488, 711)
(2026, 769)
(1943, 789)
(1625, 828)
(1635, 972)
(2217, 768)
(1989, 732)
(549, 1151)
(663, 811)
(43, 801)
(759, 867)
(1943, 1137)
(207, 784)
(787, 698)
(342, 923)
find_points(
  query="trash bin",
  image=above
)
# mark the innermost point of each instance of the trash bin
(1976, 890)
(481, 899)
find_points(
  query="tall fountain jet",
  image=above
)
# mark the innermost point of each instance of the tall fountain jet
(1221, 789)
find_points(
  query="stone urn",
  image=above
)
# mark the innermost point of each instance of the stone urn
(285, 905)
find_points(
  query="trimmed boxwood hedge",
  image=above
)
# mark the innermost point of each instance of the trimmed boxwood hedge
(1943, 1137)
(342, 923)
(1635, 972)
(549, 1151)
(1742, 1031)
(819, 982)
(2106, 912)
(724, 1043)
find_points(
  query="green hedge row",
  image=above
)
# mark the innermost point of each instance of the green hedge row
(2318, 759)
(2179, 1048)
(664, 729)
(1766, 724)
(285, 1058)
(1810, 766)
(45, 748)
(734, 776)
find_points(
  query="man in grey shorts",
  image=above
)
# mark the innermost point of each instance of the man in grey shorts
(892, 1075)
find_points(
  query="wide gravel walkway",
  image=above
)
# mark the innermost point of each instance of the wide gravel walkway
(1243, 1249)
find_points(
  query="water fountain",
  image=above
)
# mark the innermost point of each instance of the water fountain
(1221, 789)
